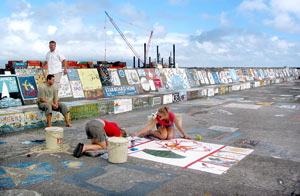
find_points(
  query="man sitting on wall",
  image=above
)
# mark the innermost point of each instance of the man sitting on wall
(48, 101)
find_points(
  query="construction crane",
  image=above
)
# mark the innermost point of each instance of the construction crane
(127, 42)
(148, 45)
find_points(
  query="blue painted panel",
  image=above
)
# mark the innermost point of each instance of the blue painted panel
(216, 78)
(10, 82)
(73, 74)
(28, 87)
(234, 76)
(119, 91)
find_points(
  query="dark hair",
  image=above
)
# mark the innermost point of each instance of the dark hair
(50, 76)
(123, 132)
(52, 42)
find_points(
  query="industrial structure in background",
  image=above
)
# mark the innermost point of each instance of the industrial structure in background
(159, 60)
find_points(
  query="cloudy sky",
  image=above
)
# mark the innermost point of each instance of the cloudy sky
(206, 32)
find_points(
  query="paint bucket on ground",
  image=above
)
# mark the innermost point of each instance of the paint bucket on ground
(54, 136)
(117, 149)
(152, 117)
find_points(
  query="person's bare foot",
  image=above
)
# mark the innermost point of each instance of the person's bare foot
(69, 125)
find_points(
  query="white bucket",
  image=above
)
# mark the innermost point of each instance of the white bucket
(54, 136)
(152, 117)
(117, 149)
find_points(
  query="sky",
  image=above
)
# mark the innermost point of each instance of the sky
(207, 33)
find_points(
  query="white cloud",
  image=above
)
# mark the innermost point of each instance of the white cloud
(251, 5)
(51, 30)
(283, 16)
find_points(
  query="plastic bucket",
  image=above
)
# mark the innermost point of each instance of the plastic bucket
(54, 136)
(117, 149)
(152, 117)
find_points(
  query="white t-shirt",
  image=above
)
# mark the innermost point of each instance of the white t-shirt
(54, 60)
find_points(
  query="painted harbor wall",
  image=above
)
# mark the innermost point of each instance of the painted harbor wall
(95, 92)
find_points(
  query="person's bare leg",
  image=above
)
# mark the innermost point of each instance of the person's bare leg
(170, 132)
(94, 146)
(161, 133)
(49, 120)
(68, 124)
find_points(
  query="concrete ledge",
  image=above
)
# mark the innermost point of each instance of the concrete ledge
(29, 116)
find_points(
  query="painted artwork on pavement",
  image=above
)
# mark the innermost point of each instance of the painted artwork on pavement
(28, 173)
(28, 87)
(213, 158)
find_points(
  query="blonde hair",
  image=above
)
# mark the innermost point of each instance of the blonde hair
(123, 132)
(163, 110)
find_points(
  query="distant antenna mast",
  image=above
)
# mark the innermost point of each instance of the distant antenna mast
(105, 38)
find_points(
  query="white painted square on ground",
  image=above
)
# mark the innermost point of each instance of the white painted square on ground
(242, 106)
(225, 129)
(122, 105)
(213, 158)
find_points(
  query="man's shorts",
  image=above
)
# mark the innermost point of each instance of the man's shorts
(95, 130)
(57, 80)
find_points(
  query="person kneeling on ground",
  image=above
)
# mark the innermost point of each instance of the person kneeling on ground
(164, 121)
(97, 130)
(48, 101)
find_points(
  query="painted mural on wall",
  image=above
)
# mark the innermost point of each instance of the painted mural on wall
(176, 79)
(145, 84)
(73, 75)
(122, 76)
(210, 78)
(141, 72)
(153, 76)
(84, 111)
(64, 87)
(111, 91)
(28, 87)
(114, 77)
(233, 75)
(204, 74)
(77, 90)
(40, 79)
(132, 77)
(216, 77)
(89, 78)
(193, 77)
(122, 105)
(104, 76)
(8, 84)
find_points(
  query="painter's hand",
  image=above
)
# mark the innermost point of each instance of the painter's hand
(133, 135)
(187, 137)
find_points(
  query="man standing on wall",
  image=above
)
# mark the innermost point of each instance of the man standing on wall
(48, 101)
(54, 60)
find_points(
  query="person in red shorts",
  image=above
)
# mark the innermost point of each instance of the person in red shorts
(164, 121)
(98, 130)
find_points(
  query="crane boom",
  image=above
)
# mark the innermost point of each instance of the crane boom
(124, 38)
(148, 45)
